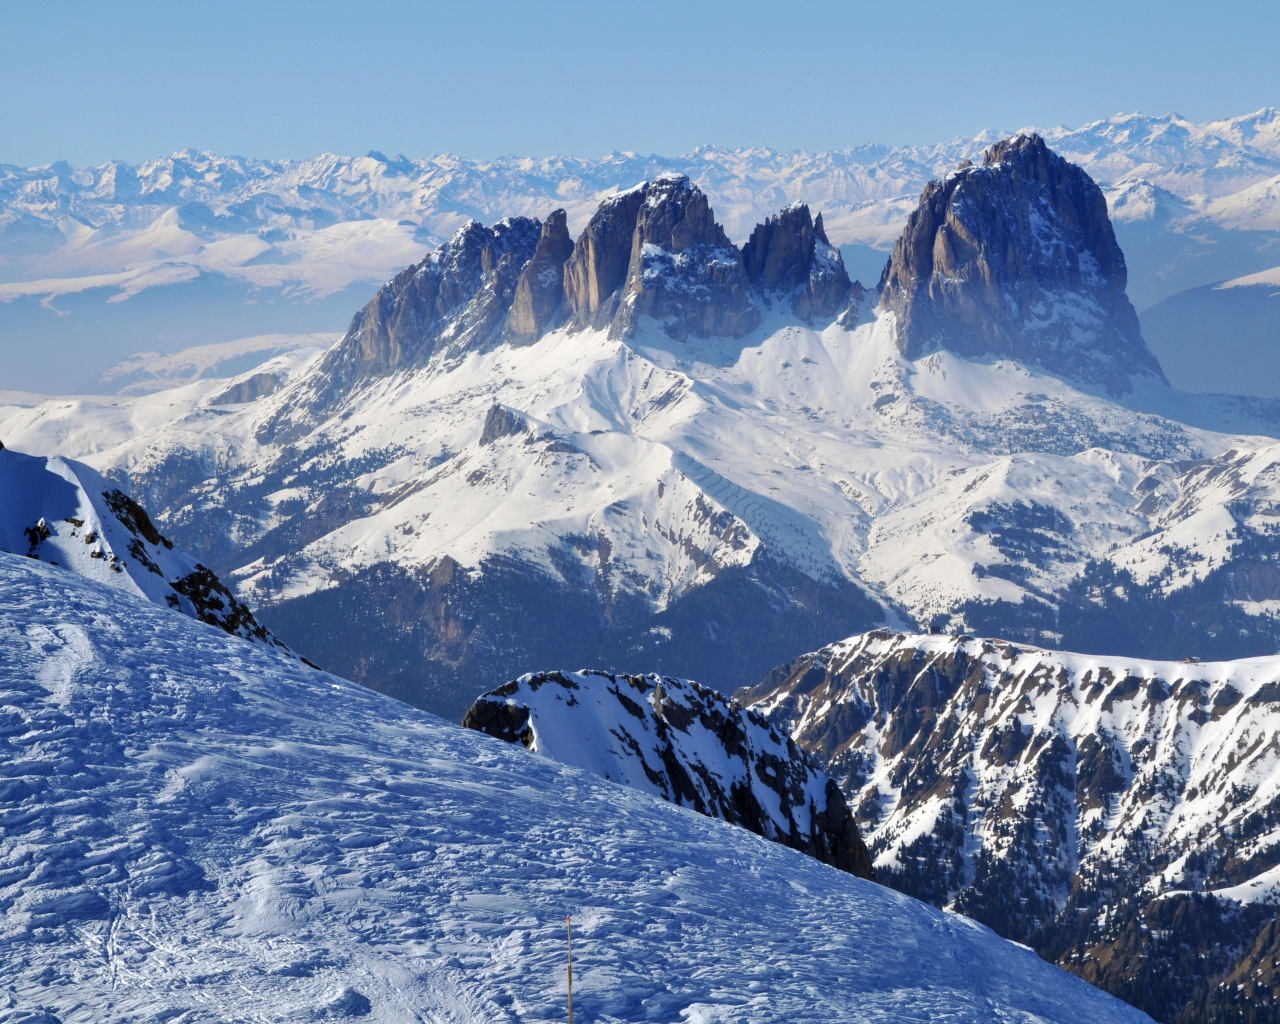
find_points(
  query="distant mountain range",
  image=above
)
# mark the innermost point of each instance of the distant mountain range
(649, 447)
(202, 249)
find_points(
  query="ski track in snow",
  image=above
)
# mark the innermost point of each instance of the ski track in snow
(193, 828)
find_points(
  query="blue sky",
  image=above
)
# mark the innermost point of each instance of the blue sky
(89, 82)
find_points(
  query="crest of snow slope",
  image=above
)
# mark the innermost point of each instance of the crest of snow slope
(66, 514)
(197, 826)
(651, 464)
(322, 224)
(678, 740)
(1266, 278)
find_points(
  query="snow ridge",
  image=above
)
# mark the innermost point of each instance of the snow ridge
(64, 513)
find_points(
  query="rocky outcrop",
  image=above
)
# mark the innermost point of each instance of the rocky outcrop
(1070, 802)
(259, 385)
(455, 300)
(65, 514)
(684, 743)
(500, 422)
(540, 290)
(789, 256)
(656, 250)
(1018, 259)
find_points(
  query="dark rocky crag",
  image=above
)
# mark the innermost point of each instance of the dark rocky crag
(1017, 259)
(789, 256)
(685, 743)
(654, 250)
(1042, 794)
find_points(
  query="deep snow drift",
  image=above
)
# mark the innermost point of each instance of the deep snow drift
(197, 828)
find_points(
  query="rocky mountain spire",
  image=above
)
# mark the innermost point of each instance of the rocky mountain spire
(1017, 258)
(540, 289)
(679, 267)
(789, 255)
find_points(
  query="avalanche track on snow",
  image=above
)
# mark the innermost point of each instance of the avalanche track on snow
(195, 828)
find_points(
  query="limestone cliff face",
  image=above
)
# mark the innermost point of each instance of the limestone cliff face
(1018, 259)
(457, 296)
(679, 266)
(789, 256)
(540, 290)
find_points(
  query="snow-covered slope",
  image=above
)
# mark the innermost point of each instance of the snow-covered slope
(1071, 801)
(677, 740)
(199, 827)
(64, 513)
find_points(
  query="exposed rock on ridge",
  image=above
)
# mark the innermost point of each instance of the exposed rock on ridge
(685, 743)
(456, 299)
(1083, 805)
(789, 255)
(64, 513)
(540, 289)
(680, 266)
(1018, 259)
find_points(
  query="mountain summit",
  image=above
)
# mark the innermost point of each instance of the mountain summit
(1018, 259)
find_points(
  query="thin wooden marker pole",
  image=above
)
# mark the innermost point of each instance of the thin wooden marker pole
(568, 924)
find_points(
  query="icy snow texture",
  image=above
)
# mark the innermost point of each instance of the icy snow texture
(196, 827)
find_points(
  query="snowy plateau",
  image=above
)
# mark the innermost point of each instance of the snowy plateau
(198, 828)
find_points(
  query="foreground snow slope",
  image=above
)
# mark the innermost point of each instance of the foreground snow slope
(196, 827)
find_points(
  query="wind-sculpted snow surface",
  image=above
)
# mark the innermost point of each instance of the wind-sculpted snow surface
(66, 514)
(1075, 802)
(678, 740)
(199, 828)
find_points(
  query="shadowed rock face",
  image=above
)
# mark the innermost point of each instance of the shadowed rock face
(657, 250)
(455, 298)
(1017, 259)
(540, 289)
(685, 743)
(789, 255)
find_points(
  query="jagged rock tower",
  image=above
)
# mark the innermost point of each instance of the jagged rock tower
(1017, 258)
